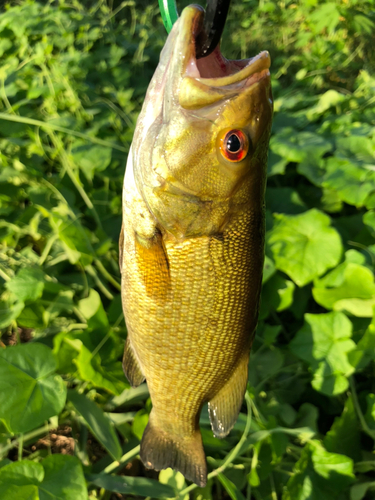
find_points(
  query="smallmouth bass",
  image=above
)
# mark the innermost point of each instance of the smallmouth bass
(192, 242)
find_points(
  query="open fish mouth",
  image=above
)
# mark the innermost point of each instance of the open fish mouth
(209, 79)
(215, 70)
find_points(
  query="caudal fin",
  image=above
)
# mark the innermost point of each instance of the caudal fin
(160, 450)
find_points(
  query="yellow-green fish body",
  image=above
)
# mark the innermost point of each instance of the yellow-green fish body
(193, 242)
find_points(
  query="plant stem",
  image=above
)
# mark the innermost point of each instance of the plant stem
(64, 130)
(107, 275)
(25, 437)
(232, 455)
(20, 447)
(357, 407)
(117, 464)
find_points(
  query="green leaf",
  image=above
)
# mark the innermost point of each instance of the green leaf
(139, 423)
(58, 476)
(284, 200)
(299, 146)
(93, 310)
(364, 353)
(174, 479)
(110, 376)
(344, 435)
(358, 491)
(74, 238)
(230, 488)
(304, 246)
(9, 312)
(98, 423)
(352, 180)
(128, 485)
(324, 342)
(32, 316)
(350, 287)
(319, 475)
(326, 101)
(27, 285)
(90, 158)
(277, 294)
(370, 412)
(30, 391)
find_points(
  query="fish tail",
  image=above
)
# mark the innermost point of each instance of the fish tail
(160, 450)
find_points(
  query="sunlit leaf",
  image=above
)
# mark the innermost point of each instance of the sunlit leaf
(58, 476)
(30, 391)
(324, 342)
(304, 246)
(98, 423)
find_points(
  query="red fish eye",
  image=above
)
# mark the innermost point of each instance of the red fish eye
(234, 145)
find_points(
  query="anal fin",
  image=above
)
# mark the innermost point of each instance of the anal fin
(161, 449)
(225, 406)
(131, 366)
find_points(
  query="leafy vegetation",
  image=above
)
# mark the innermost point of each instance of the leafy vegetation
(72, 79)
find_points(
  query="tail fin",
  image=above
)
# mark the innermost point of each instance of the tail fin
(160, 450)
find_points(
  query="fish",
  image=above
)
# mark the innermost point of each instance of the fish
(192, 242)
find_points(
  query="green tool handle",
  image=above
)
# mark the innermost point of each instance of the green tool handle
(169, 13)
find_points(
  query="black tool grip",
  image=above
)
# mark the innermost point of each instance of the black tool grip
(209, 37)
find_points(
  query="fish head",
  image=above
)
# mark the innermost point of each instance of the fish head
(201, 141)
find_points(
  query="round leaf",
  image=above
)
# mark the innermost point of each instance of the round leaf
(304, 246)
(30, 391)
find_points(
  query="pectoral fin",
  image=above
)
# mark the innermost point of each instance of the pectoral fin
(131, 366)
(225, 406)
(153, 264)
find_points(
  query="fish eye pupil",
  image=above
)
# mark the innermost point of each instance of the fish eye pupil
(233, 143)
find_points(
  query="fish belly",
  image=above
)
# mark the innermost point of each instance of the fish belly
(189, 337)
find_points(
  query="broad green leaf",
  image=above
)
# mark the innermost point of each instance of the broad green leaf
(268, 269)
(324, 342)
(30, 391)
(299, 146)
(308, 417)
(128, 485)
(304, 246)
(364, 352)
(27, 285)
(58, 476)
(369, 219)
(9, 312)
(139, 423)
(93, 310)
(284, 200)
(90, 158)
(326, 101)
(352, 180)
(358, 491)
(277, 295)
(350, 287)
(174, 479)
(230, 488)
(370, 412)
(344, 435)
(110, 376)
(99, 424)
(74, 238)
(32, 316)
(203, 493)
(319, 475)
